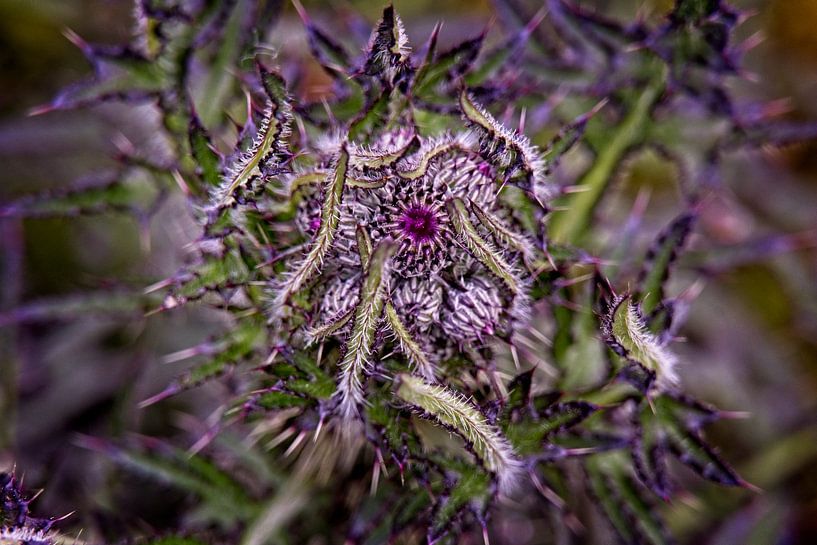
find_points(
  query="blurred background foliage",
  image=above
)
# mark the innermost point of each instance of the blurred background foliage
(751, 337)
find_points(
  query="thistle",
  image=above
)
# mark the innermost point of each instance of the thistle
(420, 303)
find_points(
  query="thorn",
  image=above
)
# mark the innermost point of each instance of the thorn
(158, 286)
(271, 358)
(568, 189)
(650, 403)
(382, 462)
(302, 12)
(171, 390)
(734, 415)
(177, 177)
(40, 110)
(281, 437)
(36, 495)
(749, 486)
(318, 430)
(752, 41)
(298, 440)
(375, 478)
(76, 40)
(515, 355)
(536, 20)
(65, 516)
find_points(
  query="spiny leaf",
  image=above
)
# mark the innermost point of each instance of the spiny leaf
(408, 345)
(513, 240)
(300, 179)
(480, 248)
(122, 191)
(688, 446)
(116, 76)
(107, 304)
(389, 51)
(356, 363)
(231, 40)
(518, 394)
(660, 257)
(416, 165)
(207, 160)
(239, 344)
(453, 411)
(276, 400)
(691, 11)
(626, 332)
(330, 217)
(472, 487)
(425, 65)
(528, 434)
(448, 65)
(569, 226)
(214, 273)
(364, 245)
(330, 54)
(225, 499)
(368, 157)
(622, 500)
(501, 140)
(319, 386)
(270, 142)
(371, 117)
(328, 328)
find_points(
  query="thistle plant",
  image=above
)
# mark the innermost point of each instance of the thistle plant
(424, 311)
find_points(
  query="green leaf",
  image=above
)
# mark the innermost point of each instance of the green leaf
(320, 386)
(239, 344)
(330, 218)
(278, 400)
(449, 65)
(683, 438)
(224, 500)
(408, 345)
(481, 249)
(528, 435)
(471, 489)
(220, 80)
(660, 257)
(356, 362)
(214, 273)
(270, 142)
(622, 500)
(693, 11)
(569, 226)
(132, 192)
(207, 159)
(452, 410)
(626, 332)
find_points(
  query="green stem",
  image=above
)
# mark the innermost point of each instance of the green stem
(570, 225)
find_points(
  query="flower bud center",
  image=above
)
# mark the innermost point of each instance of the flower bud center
(419, 223)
